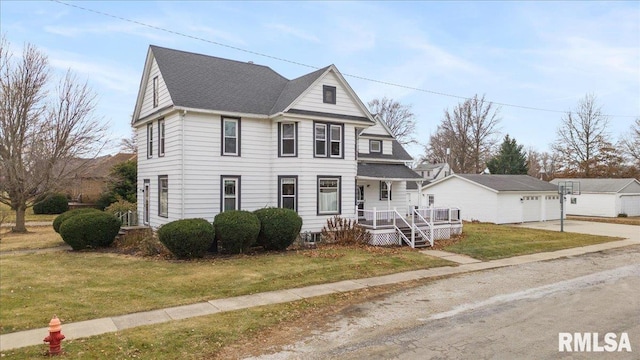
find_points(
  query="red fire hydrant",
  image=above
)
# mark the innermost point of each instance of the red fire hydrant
(55, 336)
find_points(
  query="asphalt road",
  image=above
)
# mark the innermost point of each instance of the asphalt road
(508, 313)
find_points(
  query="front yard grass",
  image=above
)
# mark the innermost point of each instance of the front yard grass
(38, 237)
(29, 215)
(489, 241)
(79, 286)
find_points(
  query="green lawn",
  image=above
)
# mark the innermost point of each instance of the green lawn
(84, 285)
(490, 241)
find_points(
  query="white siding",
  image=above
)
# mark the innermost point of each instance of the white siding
(164, 98)
(387, 147)
(372, 196)
(630, 205)
(589, 204)
(475, 202)
(313, 100)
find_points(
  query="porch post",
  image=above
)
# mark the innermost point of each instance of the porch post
(375, 218)
(388, 194)
(418, 183)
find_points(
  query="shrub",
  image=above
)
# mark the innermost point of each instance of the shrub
(66, 215)
(236, 230)
(187, 238)
(52, 204)
(90, 230)
(121, 206)
(622, 215)
(106, 199)
(345, 232)
(279, 227)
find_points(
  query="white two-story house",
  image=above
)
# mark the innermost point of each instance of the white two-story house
(217, 134)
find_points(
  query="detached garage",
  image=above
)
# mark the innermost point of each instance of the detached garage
(604, 197)
(500, 199)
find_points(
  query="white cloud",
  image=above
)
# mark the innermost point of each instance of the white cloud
(102, 29)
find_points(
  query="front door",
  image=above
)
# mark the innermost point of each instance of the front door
(145, 202)
(360, 200)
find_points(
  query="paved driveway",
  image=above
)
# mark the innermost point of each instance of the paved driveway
(589, 227)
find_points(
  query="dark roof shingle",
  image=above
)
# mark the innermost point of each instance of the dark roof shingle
(387, 171)
(510, 182)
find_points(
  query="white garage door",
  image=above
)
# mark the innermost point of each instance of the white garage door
(552, 207)
(531, 208)
(630, 205)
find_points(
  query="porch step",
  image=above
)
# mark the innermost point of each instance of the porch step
(419, 241)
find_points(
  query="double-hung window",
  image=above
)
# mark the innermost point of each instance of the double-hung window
(328, 140)
(163, 196)
(231, 136)
(288, 134)
(150, 140)
(385, 191)
(288, 192)
(161, 137)
(230, 193)
(329, 191)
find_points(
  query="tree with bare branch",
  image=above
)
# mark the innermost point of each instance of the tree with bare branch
(398, 117)
(469, 132)
(581, 136)
(630, 143)
(40, 134)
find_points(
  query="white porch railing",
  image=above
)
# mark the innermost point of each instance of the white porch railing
(421, 221)
(128, 218)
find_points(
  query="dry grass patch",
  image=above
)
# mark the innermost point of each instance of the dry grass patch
(633, 220)
(489, 241)
(85, 285)
(29, 215)
(38, 237)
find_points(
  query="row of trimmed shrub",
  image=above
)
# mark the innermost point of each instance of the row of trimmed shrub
(51, 204)
(232, 232)
(87, 228)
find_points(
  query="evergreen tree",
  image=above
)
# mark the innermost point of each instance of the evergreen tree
(511, 159)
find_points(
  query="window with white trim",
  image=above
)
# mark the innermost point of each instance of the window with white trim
(155, 92)
(328, 94)
(230, 194)
(288, 192)
(288, 132)
(150, 140)
(375, 146)
(328, 140)
(231, 136)
(329, 194)
(161, 137)
(163, 195)
(385, 191)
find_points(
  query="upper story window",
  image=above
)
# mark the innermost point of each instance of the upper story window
(375, 146)
(155, 91)
(329, 141)
(161, 137)
(328, 94)
(231, 136)
(288, 135)
(150, 140)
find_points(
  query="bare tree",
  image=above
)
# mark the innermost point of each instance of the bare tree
(398, 117)
(39, 135)
(533, 162)
(130, 144)
(581, 135)
(470, 133)
(630, 143)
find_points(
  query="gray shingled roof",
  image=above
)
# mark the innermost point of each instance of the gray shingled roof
(510, 182)
(429, 166)
(411, 185)
(212, 83)
(599, 185)
(386, 171)
(399, 153)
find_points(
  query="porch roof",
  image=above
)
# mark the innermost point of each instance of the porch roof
(394, 172)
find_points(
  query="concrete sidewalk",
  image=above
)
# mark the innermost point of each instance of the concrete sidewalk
(117, 323)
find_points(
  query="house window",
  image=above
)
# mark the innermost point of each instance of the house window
(385, 191)
(288, 192)
(328, 94)
(231, 136)
(161, 137)
(574, 200)
(150, 140)
(288, 133)
(431, 199)
(230, 194)
(375, 146)
(155, 91)
(328, 140)
(163, 196)
(329, 194)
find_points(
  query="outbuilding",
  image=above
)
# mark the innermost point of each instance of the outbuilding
(500, 199)
(604, 197)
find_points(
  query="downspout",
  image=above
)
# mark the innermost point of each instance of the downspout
(182, 116)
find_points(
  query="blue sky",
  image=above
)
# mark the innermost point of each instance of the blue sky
(545, 55)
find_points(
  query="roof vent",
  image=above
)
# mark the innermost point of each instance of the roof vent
(250, 62)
